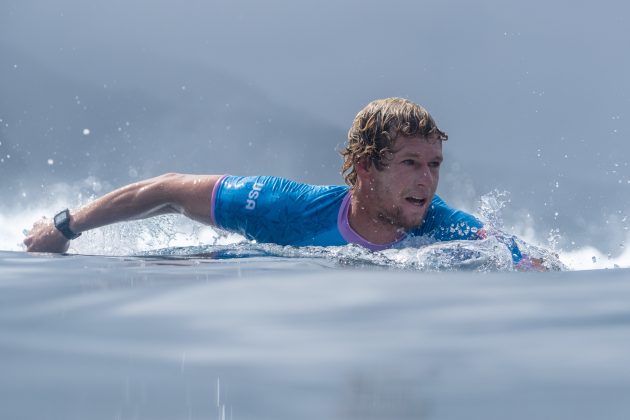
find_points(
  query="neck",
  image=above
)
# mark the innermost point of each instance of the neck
(367, 221)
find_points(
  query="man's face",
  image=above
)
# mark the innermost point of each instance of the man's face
(403, 190)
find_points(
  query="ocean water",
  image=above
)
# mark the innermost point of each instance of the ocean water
(246, 331)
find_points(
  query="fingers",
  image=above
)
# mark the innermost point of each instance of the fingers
(43, 237)
(30, 234)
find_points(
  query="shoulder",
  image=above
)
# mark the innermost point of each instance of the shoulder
(447, 223)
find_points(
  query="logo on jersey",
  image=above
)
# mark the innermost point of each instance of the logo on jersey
(253, 195)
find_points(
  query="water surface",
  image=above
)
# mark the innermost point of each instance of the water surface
(303, 337)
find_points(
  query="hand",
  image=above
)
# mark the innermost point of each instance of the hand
(44, 237)
(531, 264)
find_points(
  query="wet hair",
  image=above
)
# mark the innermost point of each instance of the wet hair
(377, 126)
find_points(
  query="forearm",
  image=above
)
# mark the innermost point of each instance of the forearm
(135, 201)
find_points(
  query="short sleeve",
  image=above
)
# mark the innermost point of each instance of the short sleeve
(445, 223)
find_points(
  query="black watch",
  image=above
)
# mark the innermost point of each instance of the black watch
(62, 223)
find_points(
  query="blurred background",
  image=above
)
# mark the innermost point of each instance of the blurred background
(535, 97)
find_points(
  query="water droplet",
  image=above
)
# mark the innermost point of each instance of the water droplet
(51, 162)
(86, 131)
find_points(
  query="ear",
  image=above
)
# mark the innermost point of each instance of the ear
(364, 169)
(363, 165)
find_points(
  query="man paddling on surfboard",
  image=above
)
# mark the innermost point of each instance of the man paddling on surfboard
(391, 165)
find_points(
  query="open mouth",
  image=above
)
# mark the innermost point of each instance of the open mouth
(416, 201)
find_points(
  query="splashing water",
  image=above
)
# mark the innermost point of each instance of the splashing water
(486, 255)
(491, 206)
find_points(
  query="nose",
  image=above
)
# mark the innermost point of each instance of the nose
(424, 176)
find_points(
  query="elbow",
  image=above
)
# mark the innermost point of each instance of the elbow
(148, 195)
(165, 184)
(169, 177)
(163, 191)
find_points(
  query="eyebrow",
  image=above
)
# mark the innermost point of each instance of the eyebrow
(439, 157)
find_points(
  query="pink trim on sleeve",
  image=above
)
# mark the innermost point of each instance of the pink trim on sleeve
(213, 201)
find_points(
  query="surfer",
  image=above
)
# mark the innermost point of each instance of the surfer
(391, 165)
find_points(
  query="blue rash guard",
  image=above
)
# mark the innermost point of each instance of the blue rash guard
(281, 211)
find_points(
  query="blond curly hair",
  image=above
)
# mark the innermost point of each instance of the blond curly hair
(377, 126)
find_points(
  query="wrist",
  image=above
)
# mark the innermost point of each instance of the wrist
(63, 222)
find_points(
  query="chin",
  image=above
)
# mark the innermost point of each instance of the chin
(409, 223)
(413, 221)
(404, 220)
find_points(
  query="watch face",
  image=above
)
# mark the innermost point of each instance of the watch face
(60, 218)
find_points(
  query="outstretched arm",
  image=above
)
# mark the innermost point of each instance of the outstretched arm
(189, 195)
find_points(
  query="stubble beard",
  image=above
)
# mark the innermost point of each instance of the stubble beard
(392, 215)
(395, 217)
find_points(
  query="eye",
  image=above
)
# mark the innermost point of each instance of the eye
(408, 162)
(435, 164)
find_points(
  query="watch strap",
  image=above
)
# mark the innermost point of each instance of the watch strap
(62, 223)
